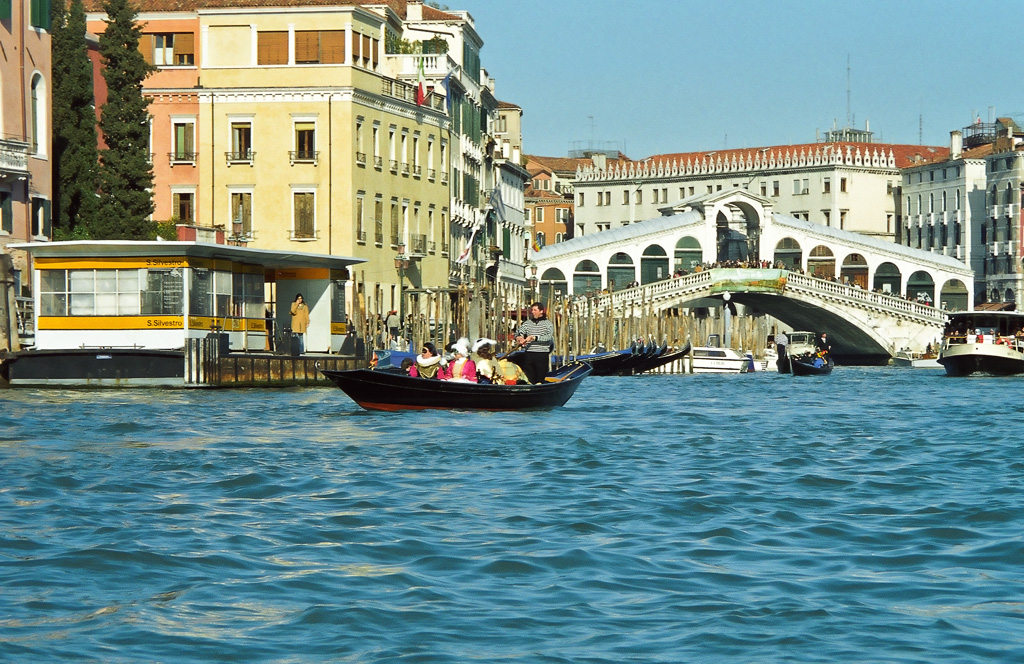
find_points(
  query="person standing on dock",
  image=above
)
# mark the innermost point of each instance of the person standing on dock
(537, 336)
(300, 321)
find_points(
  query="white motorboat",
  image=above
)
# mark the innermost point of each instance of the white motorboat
(914, 360)
(713, 358)
(985, 342)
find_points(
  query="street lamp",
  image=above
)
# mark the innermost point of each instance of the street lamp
(532, 279)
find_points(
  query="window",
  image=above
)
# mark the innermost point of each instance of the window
(539, 217)
(394, 222)
(842, 185)
(775, 188)
(377, 163)
(305, 142)
(600, 199)
(562, 215)
(40, 217)
(416, 169)
(40, 14)
(169, 49)
(581, 199)
(378, 220)
(654, 195)
(639, 196)
(183, 205)
(826, 186)
(304, 224)
(607, 198)
(184, 141)
(241, 213)
(272, 47)
(39, 104)
(360, 229)
(796, 187)
(241, 142)
(319, 46)
(6, 212)
(540, 239)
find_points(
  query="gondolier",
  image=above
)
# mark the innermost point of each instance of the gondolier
(537, 337)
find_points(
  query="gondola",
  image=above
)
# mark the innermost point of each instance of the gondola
(804, 366)
(395, 390)
(663, 358)
(608, 363)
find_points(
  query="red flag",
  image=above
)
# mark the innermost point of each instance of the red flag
(421, 85)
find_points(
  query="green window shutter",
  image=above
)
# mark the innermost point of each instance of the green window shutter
(6, 212)
(47, 223)
(5, 10)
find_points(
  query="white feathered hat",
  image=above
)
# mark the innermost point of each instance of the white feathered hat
(461, 346)
(484, 341)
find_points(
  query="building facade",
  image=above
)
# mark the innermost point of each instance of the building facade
(26, 143)
(844, 185)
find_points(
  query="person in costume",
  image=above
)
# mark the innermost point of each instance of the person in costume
(462, 367)
(428, 364)
(498, 371)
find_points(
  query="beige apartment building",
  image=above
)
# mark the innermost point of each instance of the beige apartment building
(290, 126)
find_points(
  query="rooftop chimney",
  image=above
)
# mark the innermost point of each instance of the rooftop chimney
(956, 144)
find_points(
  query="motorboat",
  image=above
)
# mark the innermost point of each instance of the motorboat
(983, 342)
(910, 359)
(713, 358)
(391, 389)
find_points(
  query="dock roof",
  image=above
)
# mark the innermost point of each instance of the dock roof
(266, 258)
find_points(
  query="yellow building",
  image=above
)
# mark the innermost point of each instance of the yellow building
(296, 133)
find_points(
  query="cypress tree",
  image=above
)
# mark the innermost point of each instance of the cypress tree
(126, 178)
(75, 159)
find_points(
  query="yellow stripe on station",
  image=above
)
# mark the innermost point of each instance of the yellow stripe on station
(111, 322)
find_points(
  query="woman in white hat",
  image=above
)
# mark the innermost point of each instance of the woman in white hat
(462, 368)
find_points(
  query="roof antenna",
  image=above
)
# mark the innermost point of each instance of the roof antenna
(849, 122)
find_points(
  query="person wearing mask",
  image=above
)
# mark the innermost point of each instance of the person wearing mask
(537, 337)
(428, 364)
(462, 368)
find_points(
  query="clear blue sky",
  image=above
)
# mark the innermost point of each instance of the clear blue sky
(678, 76)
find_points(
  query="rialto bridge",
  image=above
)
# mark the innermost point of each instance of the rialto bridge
(872, 296)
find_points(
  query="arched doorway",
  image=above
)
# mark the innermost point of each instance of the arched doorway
(688, 254)
(921, 287)
(653, 264)
(954, 296)
(586, 278)
(888, 279)
(821, 263)
(788, 253)
(621, 271)
(855, 271)
(552, 284)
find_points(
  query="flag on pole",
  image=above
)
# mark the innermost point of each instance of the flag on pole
(446, 83)
(421, 85)
(497, 204)
(464, 256)
(536, 244)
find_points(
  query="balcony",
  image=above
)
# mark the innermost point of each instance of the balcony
(188, 158)
(431, 174)
(417, 171)
(361, 237)
(361, 158)
(417, 245)
(394, 166)
(405, 169)
(13, 159)
(378, 233)
(303, 157)
(240, 157)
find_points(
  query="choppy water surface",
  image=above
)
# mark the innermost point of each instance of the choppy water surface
(871, 516)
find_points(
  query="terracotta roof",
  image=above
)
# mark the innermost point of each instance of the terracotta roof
(148, 6)
(905, 155)
(563, 164)
(530, 192)
(979, 152)
(508, 104)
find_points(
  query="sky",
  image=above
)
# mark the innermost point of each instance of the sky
(662, 76)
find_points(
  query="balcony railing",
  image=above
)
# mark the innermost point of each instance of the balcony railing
(303, 156)
(240, 157)
(303, 234)
(361, 158)
(378, 163)
(183, 157)
(361, 237)
(378, 232)
(13, 157)
(417, 171)
(418, 244)
(394, 165)
(431, 174)
(405, 169)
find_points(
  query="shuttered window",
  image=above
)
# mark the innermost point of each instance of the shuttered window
(319, 46)
(307, 46)
(304, 215)
(272, 48)
(332, 47)
(184, 49)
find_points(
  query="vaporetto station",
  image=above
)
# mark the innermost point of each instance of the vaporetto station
(872, 296)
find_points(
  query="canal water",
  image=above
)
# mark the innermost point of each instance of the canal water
(875, 515)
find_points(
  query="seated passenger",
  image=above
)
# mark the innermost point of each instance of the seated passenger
(462, 368)
(491, 370)
(428, 363)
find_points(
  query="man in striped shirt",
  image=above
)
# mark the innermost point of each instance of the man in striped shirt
(537, 335)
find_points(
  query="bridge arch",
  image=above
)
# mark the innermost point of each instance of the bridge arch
(552, 283)
(854, 270)
(921, 287)
(953, 296)
(788, 253)
(653, 264)
(821, 262)
(586, 278)
(621, 271)
(688, 253)
(888, 279)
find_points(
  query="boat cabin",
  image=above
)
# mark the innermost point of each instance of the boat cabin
(156, 295)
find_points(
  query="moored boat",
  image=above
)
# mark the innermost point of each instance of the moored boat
(713, 358)
(984, 342)
(910, 359)
(395, 390)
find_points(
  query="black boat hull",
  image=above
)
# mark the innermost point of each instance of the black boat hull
(801, 367)
(95, 367)
(393, 390)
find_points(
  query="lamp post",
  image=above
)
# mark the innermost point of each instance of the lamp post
(401, 264)
(532, 281)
